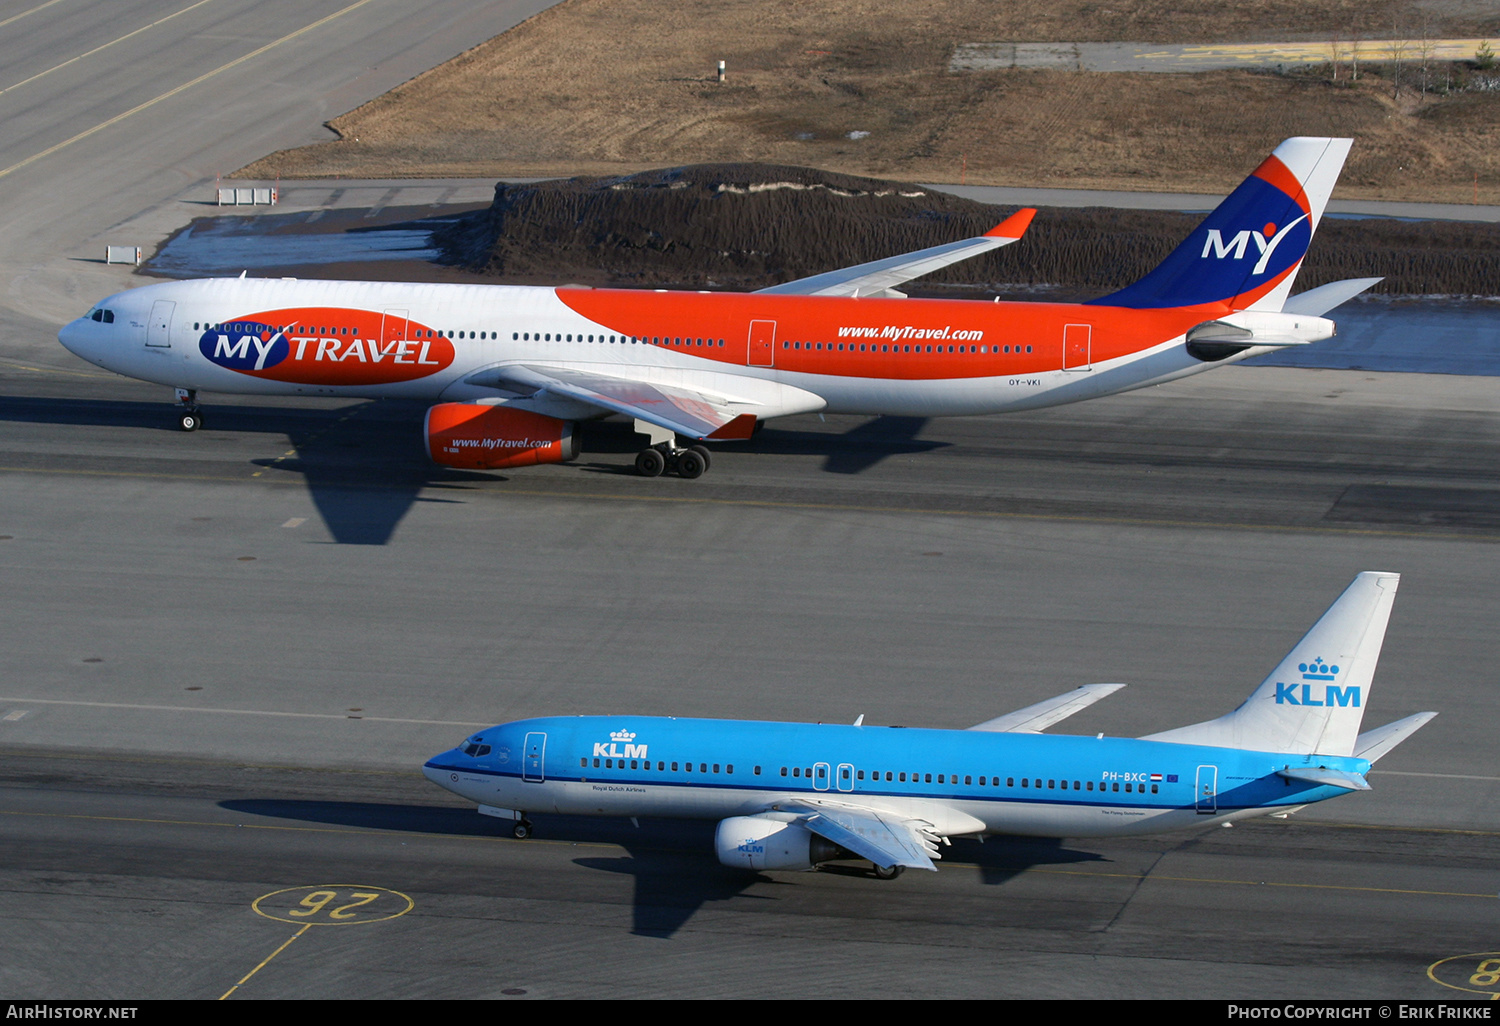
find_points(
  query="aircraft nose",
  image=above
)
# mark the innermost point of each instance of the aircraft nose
(72, 337)
(435, 773)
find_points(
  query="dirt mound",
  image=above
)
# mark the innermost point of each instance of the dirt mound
(709, 225)
(747, 226)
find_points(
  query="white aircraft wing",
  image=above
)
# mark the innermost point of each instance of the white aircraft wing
(695, 413)
(1036, 718)
(882, 837)
(878, 276)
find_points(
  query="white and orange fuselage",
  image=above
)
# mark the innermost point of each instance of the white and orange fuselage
(513, 368)
(433, 341)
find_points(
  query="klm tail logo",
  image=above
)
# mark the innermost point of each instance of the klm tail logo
(1302, 694)
(1266, 241)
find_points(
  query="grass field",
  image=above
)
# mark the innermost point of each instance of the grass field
(862, 86)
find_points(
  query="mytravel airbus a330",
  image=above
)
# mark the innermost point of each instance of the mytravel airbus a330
(513, 369)
(793, 795)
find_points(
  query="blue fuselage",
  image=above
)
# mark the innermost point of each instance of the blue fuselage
(964, 782)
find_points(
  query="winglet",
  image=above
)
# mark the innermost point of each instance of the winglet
(736, 430)
(1014, 226)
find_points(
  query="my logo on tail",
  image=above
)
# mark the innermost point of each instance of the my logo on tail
(1266, 241)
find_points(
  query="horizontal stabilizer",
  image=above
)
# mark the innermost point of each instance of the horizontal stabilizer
(879, 277)
(1036, 718)
(1317, 302)
(1327, 777)
(1373, 744)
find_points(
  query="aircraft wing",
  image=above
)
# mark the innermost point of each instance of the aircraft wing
(1036, 718)
(877, 276)
(695, 413)
(882, 837)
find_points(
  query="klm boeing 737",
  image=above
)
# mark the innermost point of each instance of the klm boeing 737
(794, 795)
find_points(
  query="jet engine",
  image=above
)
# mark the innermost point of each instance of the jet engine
(760, 842)
(485, 436)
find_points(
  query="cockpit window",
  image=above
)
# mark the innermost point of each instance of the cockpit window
(476, 750)
(102, 315)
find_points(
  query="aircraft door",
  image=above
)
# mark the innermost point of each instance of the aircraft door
(159, 327)
(845, 778)
(762, 344)
(820, 776)
(533, 763)
(393, 324)
(1077, 341)
(1208, 790)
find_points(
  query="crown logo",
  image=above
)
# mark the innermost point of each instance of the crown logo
(1318, 670)
(622, 735)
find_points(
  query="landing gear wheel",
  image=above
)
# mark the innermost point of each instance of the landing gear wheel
(691, 464)
(708, 460)
(650, 463)
(521, 830)
(190, 420)
(888, 872)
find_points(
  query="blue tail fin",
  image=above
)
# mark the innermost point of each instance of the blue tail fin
(1247, 252)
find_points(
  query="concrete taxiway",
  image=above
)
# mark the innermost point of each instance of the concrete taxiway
(230, 651)
(360, 885)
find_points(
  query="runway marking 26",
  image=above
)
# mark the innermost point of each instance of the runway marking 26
(324, 905)
(332, 905)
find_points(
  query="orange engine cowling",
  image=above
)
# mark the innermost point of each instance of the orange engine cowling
(481, 436)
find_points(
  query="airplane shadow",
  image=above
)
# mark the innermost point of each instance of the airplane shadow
(1003, 858)
(878, 438)
(849, 452)
(671, 861)
(365, 465)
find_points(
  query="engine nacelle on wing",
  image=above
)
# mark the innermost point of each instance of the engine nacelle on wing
(760, 842)
(484, 436)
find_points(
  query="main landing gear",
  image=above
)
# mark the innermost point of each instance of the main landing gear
(662, 454)
(691, 462)
(522, 829)
(189, 416)
(888, 872)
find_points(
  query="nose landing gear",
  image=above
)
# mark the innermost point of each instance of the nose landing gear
(189, 416)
